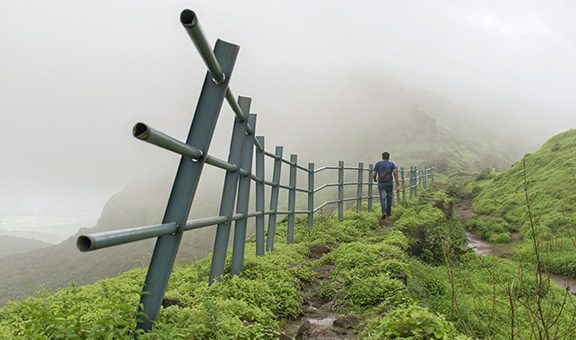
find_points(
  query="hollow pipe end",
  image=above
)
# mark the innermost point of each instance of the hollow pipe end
(141, 131)
(188, 18)
(85, 243)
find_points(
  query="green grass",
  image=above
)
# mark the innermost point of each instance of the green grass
(550, 178)
(364, 266)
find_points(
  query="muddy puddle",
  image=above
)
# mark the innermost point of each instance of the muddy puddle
(485, 248)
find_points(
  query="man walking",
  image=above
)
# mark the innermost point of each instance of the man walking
(384, 170)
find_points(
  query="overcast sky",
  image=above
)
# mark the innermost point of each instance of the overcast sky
(76, 75)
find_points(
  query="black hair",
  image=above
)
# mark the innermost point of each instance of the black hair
(385, 155)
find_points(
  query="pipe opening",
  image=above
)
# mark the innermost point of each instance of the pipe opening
(188, 18)
(84, 243)
(141, 131)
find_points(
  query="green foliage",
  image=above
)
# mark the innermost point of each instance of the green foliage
(493, 229)
(550, 179)
(431, 234)
(411, 322)
(482, 306)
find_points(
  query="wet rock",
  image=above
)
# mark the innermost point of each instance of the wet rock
(305, 330)
(318, 250)
(167, 302)
(350, 321)
(445, 207)
(402, 277)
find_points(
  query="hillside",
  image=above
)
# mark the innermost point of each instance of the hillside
(417, 126)
(56, 266)
(412, 280)
(10, 245)
(549, 177)
(384, 118)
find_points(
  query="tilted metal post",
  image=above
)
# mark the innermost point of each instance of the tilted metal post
(243, 200)
(184, 187)
(415, 181)
(370, 185)
(292, 198)
(397, 180)
(260, 197)
(310, 194)
(402, 183)
(340, 190)
(411, 182)
(360, 183)
(229, 194)
(274, 198)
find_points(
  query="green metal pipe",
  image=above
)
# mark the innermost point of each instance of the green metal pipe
(155, 137)
(112, 238)
(190, 22)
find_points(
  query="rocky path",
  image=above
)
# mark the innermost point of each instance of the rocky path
(320, 318)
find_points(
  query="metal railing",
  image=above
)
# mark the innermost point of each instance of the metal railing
(234, 203)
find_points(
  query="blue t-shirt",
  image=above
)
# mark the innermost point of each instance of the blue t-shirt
(389, 166)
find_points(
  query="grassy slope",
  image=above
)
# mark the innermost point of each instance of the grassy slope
(551, 177)
(253, 304)
(364, 260)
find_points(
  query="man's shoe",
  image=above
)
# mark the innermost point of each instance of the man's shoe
(384, 215)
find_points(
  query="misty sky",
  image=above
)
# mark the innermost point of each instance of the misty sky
(76, 75)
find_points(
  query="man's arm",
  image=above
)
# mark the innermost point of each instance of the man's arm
(395, 172)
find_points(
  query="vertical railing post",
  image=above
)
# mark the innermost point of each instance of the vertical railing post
(415, 181)
(397, 180)
(292, 198)
(184, 187)
(310, 194)
(360, 183)
(340, 190)
(243, 200)
(425, 176)
(432, 174)
(229, 194)
(274, 198)
(260, 197)
(370, 184)
(403, 186)
(411, 181)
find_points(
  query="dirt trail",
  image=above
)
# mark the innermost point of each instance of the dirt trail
(465, 212)
(319, 319)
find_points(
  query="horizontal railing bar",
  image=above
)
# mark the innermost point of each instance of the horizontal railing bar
(326, 186)
(302, 168)
(255, 178)
(325, 204)
(326, 168)
(257, 144)
(301, 190)
(287, 212)
(112, 238)
(155, 137)
(222, 164)
(282, 186)
(190, 22)
(285, 161)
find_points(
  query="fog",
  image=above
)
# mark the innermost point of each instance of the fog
(75, 76)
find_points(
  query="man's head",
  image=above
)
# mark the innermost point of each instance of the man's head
(385, 155)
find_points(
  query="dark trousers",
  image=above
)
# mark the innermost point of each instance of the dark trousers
(386, 197)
